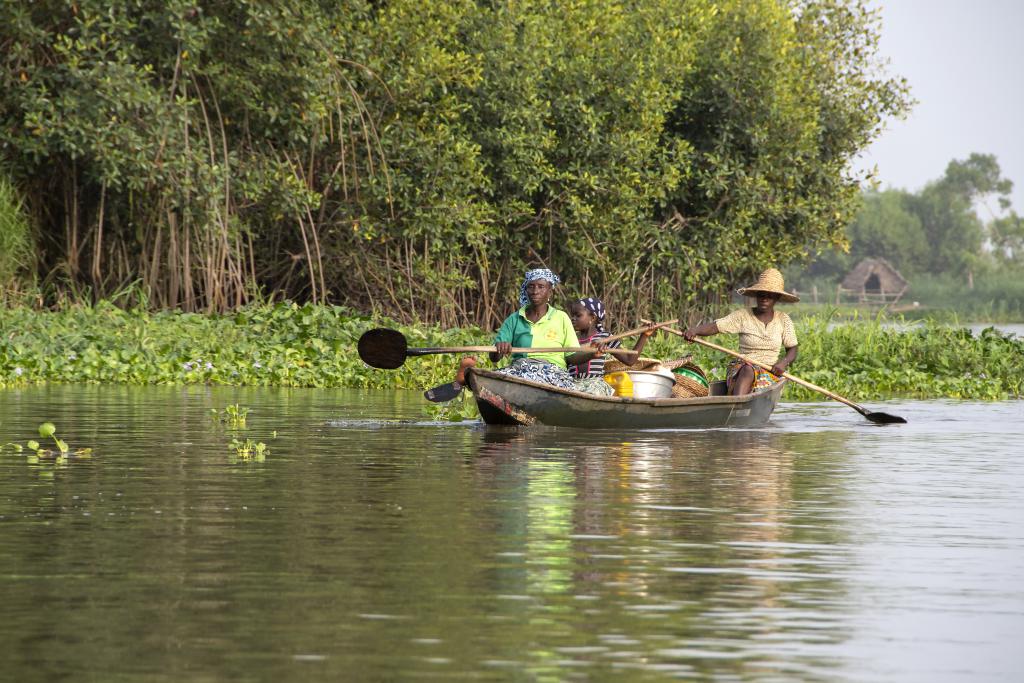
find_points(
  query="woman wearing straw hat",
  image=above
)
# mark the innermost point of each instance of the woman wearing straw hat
(762, 332)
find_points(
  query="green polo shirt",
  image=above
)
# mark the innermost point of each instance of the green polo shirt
(554, 329)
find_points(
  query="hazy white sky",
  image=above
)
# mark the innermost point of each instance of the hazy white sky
(964, 60)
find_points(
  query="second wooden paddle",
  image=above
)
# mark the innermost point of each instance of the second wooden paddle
(877, 418)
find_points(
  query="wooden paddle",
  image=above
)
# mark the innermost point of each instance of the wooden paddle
(387, 349)
(451, 390)
(877, 418)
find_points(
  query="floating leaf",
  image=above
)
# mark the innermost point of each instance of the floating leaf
(47, 429)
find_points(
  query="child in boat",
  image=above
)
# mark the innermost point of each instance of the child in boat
(587, 316)
(762, 331)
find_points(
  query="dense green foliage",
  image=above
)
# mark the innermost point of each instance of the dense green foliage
(411, 158)
(281, 345)
(929, 361)
(314, 346)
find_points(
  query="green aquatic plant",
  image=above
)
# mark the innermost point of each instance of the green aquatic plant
(233, 416)
(250, 450)
(286, 344)
(283, 344)
(36, 450)
(48, 429)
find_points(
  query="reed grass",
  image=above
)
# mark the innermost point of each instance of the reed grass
(15, 237)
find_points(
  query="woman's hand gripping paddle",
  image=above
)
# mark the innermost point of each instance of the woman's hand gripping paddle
(387, 349)
(449, 391)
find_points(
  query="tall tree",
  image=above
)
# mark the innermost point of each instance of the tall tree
(948, 217)
(410, 158)
(886, 227)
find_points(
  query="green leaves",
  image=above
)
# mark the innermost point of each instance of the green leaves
(47, 429)
(314, 346)
(409, 159)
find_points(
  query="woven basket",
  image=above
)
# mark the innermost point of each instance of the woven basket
(687, 387)
(679, 362)
(645, 364)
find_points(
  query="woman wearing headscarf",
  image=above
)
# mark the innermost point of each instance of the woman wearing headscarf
(538, 324)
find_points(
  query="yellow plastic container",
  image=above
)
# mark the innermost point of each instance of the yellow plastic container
(621, 383)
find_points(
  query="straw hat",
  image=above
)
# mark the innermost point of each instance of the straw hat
(770, 281)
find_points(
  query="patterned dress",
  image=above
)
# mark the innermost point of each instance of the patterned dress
(595, 366)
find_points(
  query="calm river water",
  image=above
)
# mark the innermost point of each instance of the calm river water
(373, 545)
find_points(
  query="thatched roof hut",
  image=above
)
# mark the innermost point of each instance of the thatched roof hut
(873, 280)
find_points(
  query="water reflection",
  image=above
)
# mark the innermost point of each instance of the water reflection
(374, 543)
(678, 547)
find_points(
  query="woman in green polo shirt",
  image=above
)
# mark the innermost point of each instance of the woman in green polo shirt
(538, 324)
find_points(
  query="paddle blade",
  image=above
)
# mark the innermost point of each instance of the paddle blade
(885, 418)
(443, 393)
(383, 348)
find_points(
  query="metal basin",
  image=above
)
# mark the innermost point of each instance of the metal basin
(651, 384)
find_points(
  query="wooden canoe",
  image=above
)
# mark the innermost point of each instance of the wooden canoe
(511, 400)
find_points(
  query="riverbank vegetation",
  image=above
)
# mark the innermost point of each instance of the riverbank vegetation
(408, 159)
(314, 346)
(995, 297)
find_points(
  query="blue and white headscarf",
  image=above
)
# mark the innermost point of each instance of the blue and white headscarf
(597, 308)
(535, 274)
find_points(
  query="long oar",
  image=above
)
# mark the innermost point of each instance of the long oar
(877, 418)
(450, 390)
(387, 349)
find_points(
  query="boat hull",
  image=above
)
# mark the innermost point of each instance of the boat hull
(511, 400)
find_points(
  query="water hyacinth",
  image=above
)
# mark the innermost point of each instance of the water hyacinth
(314, 346)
